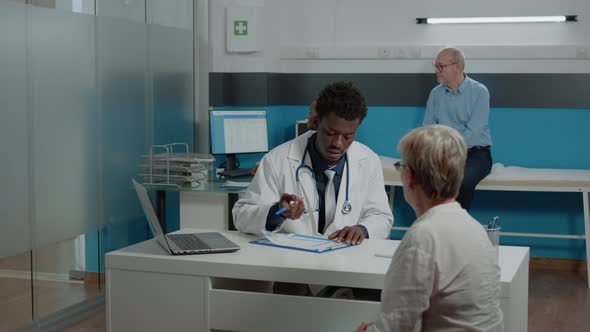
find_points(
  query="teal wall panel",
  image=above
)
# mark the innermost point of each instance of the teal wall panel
(527, 137)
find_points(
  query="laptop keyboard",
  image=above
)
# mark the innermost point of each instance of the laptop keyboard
(188, 242)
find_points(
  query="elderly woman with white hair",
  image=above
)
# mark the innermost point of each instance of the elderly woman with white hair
(444, 276)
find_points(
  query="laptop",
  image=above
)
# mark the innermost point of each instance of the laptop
(182, 244)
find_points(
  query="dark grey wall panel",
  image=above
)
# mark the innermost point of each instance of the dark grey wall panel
(238, 89)
(537, 90)
(379, 89)
(506, 90)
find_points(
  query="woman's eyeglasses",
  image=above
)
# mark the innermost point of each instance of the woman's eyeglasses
(398, 165)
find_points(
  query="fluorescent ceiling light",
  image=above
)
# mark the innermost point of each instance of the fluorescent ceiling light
(508, 19)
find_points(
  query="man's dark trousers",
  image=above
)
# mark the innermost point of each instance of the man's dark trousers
(477, 167)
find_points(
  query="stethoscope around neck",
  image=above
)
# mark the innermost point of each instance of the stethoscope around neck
(346, 207)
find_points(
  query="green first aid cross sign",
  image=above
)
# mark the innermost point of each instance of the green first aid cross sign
(240, 28)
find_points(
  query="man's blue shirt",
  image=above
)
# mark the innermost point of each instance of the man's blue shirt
(467, 110)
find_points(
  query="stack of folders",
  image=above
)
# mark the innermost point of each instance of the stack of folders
(176, 169)
(235, 185)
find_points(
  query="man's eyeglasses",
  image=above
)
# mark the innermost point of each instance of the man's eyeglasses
(398, 165)
(440, 67)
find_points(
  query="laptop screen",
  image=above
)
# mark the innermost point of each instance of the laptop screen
(148, 209)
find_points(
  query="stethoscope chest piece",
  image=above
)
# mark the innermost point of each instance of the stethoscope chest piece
(346, 207)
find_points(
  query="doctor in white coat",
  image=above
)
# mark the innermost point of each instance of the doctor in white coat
(292, 191)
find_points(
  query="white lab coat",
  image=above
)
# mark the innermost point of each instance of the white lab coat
(276, 175)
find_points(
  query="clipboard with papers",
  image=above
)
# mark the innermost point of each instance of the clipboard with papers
(300, 242)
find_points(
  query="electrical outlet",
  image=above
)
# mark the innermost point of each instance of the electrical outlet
(312, 53)
(582, 52)
(413, 52)
(399, 53)
(383, 53)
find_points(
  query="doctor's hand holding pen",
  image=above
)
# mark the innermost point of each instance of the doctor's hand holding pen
(291, 206)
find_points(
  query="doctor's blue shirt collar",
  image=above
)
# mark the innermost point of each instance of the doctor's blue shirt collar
(319, 165)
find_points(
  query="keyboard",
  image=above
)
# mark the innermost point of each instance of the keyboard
(236, 172)
(188, 242)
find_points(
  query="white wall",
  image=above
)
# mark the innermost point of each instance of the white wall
(349, 36)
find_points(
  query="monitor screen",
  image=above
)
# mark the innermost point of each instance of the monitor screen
(238, 132)
(301, 127)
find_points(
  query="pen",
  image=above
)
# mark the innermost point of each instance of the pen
(493, 223)
(284, 208)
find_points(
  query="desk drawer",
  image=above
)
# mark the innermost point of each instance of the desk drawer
(249, 311)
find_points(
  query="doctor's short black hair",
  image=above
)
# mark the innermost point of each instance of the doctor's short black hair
(343, 99)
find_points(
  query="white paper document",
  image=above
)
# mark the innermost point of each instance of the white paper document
(301, 242)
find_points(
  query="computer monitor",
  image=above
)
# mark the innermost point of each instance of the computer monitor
(301, 127)
(238, 131)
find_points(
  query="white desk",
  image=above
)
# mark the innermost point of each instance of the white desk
(148, 290)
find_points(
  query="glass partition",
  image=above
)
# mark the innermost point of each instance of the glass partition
(145, 97)
(65, 165)
(15, 237)
(82, 97)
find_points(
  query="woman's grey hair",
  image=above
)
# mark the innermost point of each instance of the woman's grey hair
(436, 154)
